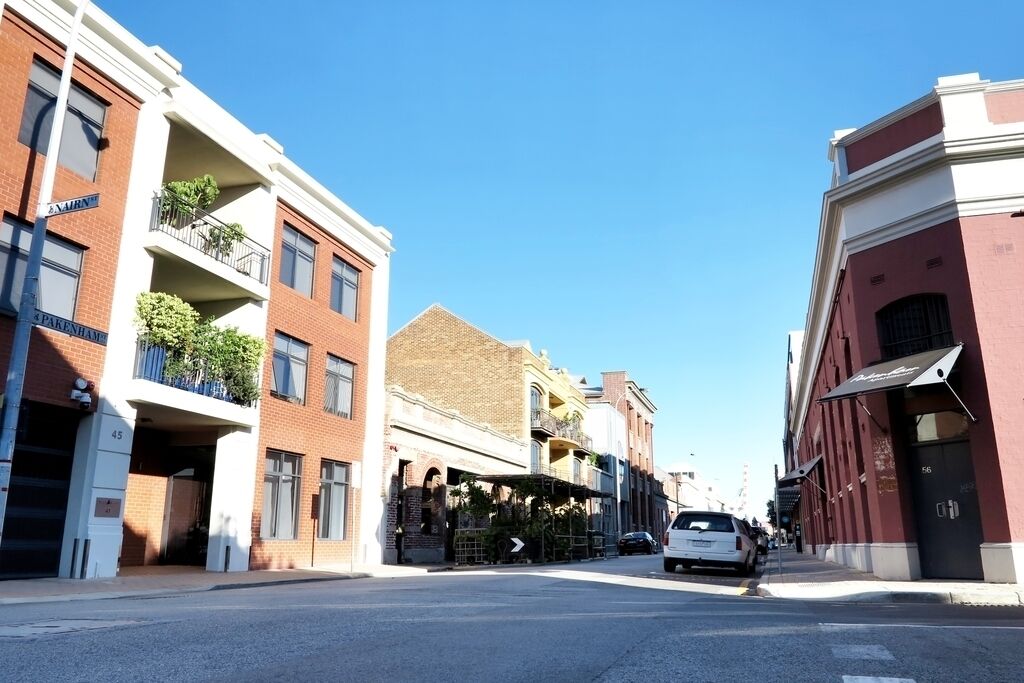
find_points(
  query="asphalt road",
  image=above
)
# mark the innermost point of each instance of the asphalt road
(622, 619)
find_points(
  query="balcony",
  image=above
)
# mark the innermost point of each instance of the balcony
(216, 239)
(569, 435)
(191, 374)
(543, 422)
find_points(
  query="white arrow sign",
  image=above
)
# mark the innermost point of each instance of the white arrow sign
(68, 205)
(519, 544)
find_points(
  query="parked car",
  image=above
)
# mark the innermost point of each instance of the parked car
(637, 542)
(709, 539)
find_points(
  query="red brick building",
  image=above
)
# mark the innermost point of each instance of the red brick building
(77, 280)
(904, 421)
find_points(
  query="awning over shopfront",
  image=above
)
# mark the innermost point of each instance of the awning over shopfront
(930, 367)
(793, 478)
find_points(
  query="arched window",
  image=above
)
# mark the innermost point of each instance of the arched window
(432, 499)
(536, 399)
(914, 324)
(535, 449)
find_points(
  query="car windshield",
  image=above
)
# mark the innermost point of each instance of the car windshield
(700, 522)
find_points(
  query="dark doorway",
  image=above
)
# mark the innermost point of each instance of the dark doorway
(187, 517)
(37, 501)
(946, 508)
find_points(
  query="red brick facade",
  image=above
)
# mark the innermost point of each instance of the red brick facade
(308, 430)
(56, 359)
(898, 135)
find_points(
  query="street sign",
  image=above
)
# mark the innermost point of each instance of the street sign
(55, 322)
(69, 205)
(519, 544)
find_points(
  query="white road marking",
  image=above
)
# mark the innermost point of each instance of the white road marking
(845, 627)
(878, 652)
(876, 679)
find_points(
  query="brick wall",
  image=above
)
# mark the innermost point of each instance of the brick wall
(56, 359)
(308, 430)
(455, 365)
(1006, 106)
(909, 130)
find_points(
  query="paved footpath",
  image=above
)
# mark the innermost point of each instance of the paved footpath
(805, 577)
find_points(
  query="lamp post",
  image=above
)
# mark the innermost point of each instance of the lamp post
(26, 310)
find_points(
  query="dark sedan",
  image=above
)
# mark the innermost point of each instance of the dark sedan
(637, 542)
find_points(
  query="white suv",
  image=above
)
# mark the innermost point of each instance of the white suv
(709, 539)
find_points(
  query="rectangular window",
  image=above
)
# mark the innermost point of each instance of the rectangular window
(333, 500)
(344, 288)
(289, 372)
(58, 278)
(297, 253)
(83, 123)
(338, 394)
(282, 481)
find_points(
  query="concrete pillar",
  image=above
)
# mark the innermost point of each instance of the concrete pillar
(231, 500)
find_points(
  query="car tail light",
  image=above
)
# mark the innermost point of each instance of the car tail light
(664, 538)
(739, 543)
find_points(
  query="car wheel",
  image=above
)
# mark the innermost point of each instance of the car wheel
(750, 565)
(650, 550)
(687, 565)
(670, 565)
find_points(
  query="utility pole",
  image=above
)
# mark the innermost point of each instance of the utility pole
(27, 308)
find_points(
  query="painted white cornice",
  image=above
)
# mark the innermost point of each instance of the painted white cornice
(105, 44)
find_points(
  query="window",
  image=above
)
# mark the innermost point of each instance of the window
(344, 288)
(297, 252)
(703, 522)
(333, 500)
(282, 484)
(83, 123)
(290, 358)
(338, 392)
(914, 324)
(58, 278)
(535, 451)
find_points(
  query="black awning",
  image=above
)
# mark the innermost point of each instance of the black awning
(788, 498)
(930, 367)
(793, 478)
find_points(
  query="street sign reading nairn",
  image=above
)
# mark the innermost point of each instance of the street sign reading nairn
(55, 322)
(68, 205)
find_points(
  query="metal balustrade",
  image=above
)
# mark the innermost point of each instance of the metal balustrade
(154, 363)
(221, 241)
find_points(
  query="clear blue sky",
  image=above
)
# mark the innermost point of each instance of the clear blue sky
(629, 185)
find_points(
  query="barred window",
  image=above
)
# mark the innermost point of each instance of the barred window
(914, 324)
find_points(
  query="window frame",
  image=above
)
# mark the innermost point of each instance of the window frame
(339, 379)
(290, 359)
(291, 253)
(338, 306)
(38, 137)
(328, 487)
(12, 252)
(271, 519)
(926, 315)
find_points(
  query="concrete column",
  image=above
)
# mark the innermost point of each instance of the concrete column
(231, 501)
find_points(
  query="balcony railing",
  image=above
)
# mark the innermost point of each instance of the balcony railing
(571, 432)
(577, 477)
(216, 239)
(543, 421)
(153, 363)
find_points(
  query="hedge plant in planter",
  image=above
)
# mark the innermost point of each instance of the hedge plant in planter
(220, 239)
(233, 358)
(169, 325)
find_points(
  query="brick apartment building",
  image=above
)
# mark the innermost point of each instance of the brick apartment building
(904, 414)
(170, 467)
(498, 387)
(638, 512)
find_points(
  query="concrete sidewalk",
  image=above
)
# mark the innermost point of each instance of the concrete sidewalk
(805, 577)
(156, 580)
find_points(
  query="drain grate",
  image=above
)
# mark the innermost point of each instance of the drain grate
(61, 626)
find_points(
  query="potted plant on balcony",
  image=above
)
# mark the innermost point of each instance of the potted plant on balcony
(167, 325)
(233, 360)
(220, 239)
(181, 198)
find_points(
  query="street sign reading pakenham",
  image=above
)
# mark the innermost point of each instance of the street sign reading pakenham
(55, 322)
(68, 205)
